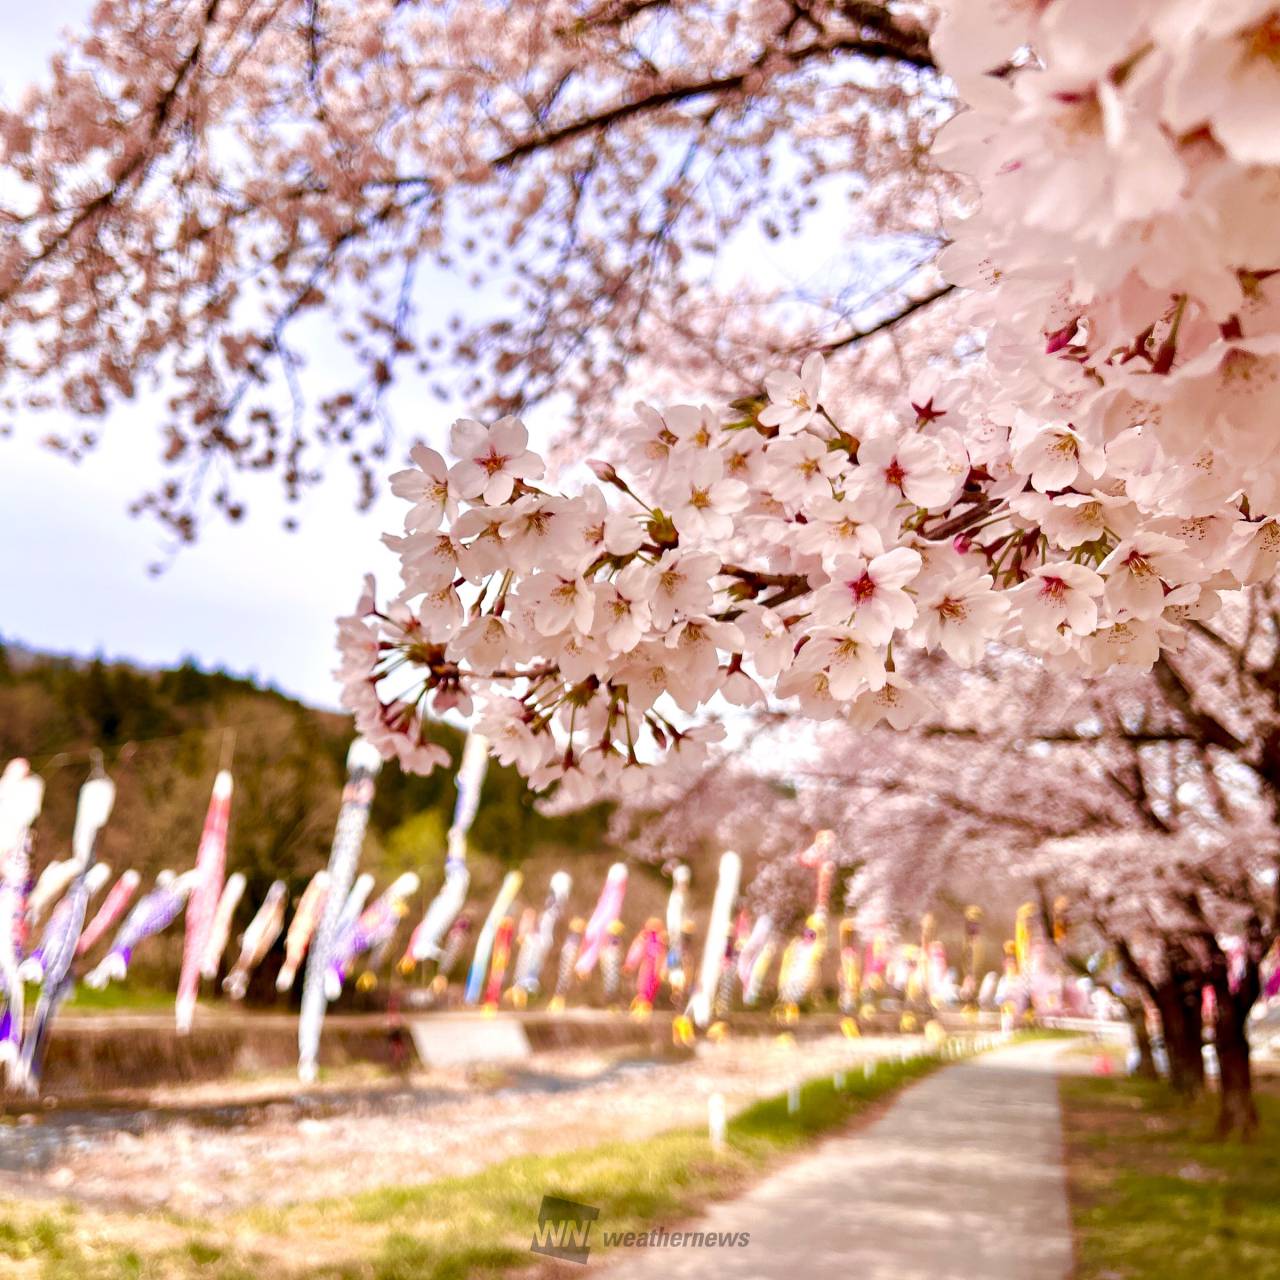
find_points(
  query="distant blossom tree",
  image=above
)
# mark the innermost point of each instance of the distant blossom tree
(1145, 801)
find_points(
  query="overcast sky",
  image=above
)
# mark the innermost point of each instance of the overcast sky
(252, 598)
(73, 568)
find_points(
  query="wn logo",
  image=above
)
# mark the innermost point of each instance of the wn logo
(563, 1229)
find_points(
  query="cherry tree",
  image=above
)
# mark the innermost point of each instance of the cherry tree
(1085, 491)
(769, 819)
(1126, 800)
(1139, 822)
(200, 189)
(1201, 909)
(1182, 916)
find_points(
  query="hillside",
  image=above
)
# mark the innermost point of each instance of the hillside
(163, 733)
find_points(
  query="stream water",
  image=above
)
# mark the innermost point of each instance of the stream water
(35, 1136)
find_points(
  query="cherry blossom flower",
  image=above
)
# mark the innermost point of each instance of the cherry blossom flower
(622, 608)
(483, 550)
(426, 485)
(1256, 556)
(1056, 457)
(802, 469)
(682, 585)
(419, 756)
(741, 690)
(766, 639)
(961, 616)
(492, 459)
(441, 612)
(1070, 519)
(913, 467)
(689, 750)
(812, 687)
(1057, 598)
(505, 724)
(429, 556)
(486, 642)
(696, 643)
(852, 662)
(700, 501)
(538, 529)
(606, 532)
(743, 457)
(896, 701)
(872, 594)
(794, 398)
(581, 657)
(1131, 642)
(558, 603)
(837, 529)
(645, 673)
(1137, 571)
(358, 652)
(1225, 78)
(650, 441)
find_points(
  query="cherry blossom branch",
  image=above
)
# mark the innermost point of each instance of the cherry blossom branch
(908, 309)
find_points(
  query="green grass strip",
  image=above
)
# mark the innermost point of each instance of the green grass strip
(1153, 1195)
(468, 1227)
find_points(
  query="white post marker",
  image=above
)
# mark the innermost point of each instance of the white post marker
(868, 1069)
(716, 1121)
(793, 1099)
(837, 1081)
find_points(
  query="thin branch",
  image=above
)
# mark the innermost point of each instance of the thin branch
(889, 322)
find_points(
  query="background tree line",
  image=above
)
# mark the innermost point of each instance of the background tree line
(163, 735)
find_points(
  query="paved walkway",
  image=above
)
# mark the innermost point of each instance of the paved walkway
(961, 1179)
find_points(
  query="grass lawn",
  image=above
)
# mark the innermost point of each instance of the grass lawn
(1152, 1196)
(460, 1228)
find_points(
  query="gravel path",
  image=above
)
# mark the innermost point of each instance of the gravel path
(960, 1179)
(440, 1123)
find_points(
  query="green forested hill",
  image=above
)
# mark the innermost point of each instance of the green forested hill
(163, 733)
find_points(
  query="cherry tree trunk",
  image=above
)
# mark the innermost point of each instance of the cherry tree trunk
(1137, 1015)
(1237, 1112)
(1180, 1021)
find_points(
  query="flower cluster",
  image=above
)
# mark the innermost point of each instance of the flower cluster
(1084, 491)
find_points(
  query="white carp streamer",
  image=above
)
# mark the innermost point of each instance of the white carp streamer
(258, 939)
(363, 764)
(220, 928)
(21, 798)
(717, 935)
(301, 928)
(58, 950)
(536, 947)
(608, 909)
